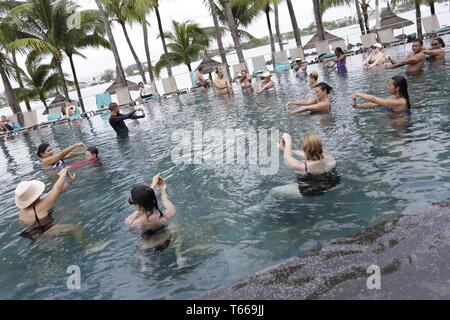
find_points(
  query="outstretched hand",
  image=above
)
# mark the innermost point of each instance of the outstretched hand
(158, 182)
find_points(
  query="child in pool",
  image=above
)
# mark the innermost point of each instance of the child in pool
(92, 159)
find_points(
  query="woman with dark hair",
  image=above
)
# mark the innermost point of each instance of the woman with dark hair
(397, 104)
(148, 219)
(246, 80)
(437, 50)
(321, 104)
(56, 161)
(339, 61)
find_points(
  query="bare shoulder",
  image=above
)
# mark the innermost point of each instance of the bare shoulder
(130, 218)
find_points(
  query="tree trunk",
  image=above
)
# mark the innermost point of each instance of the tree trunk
(163, 40)
(147, 53)
(77, 85)
(365, 8)
(133, 52)
(189, 67)
(119, 69)
(62, 78)
(377, 14)
(234, 31)
(318, 17)
(297, 35)
(432, 7)
(222, 53)
(11, 96)
(360, 17)
(418, 19)
(272, 42)
(277, 26)
(19, 77)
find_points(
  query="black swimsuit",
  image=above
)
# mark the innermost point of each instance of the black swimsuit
(317, 184)
(34, 233)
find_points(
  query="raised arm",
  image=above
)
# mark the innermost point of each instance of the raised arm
(47, 162)
(124, 116)
(390, 102)
(170, 209)
(64, 181)
(288, 157)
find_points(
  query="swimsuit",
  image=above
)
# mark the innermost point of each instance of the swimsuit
(317, 184)
(34, 233)
(341, 66)
(57, 165)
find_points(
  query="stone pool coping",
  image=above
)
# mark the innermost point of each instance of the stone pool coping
(411, 250)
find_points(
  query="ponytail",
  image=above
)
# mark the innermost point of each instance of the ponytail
(401, 83)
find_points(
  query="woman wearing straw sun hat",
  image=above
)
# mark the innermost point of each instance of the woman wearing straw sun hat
(36, 208)
(266, 83)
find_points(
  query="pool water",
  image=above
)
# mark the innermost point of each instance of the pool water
(225, 229)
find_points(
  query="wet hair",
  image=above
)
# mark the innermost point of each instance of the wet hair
(113, 106)
(440, 41)
(312, 147)
(41, 149)
(244, 71)
(140, 83)
(339, 50)
(402, 83)
(93, 150)
(324, 87)
(314, 75)
(418, 40)
(3, 117)
(200, 69)
(145, 197)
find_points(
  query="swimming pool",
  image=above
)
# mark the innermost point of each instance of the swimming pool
(221, 231)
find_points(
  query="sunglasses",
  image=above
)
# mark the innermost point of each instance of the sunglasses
(434, 44)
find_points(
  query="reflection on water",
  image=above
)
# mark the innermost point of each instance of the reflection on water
(224, 229)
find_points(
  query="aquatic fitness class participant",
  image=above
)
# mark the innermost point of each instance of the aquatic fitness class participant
(398, 103)
(148, 218)
(437, 49)
(36, 210)
(339, 61)
(414, 61)
(376, 57)
(92, 159)
(246, 80)
(313, 78)
(266, 83)
(56, 161)
(321, 104)
(316, 174)
(222, 83)
(117, 119)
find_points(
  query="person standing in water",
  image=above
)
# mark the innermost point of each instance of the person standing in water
(376, 57)
(246, 80)
(339, 61)
(398, 103)
(148, 218)
(437, 50)
(321, 104)
(313, 78)
(117, 119)
(266, 83)
(222, 83)
(56, 161)
(414, 62)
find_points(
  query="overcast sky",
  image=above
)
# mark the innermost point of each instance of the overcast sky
(181, 10)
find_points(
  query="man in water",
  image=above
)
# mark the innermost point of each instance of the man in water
(5, 124)
(437, 49)
(222, 83)
(145, 91)
(414, 61)
(117, 119)
(200, 80)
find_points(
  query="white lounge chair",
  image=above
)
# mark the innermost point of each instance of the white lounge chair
(237, 68)
(429, 24)
(322, 47)
(368, 40)
(123, 97)
(169, 87)
(297, 53)
(387, 38)
(281, 62)
(259, 65)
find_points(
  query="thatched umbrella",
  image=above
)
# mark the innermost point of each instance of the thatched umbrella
(209, 65)
(328, 36)
(117, 85)
(389, 20)
(59, 103)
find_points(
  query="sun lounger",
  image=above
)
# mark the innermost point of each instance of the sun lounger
(429, 24)
(387, 38)
(368, 40)
(297, 53)
(259, 65)
(170, 87)
(281, 62)
(77, 115)
(123, 97)
(322, 48)
(53, 117)
(237, 68)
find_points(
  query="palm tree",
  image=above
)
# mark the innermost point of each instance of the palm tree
(417, 4)
(277, 24)
(155, 5)
(218, 32)
(40, 80)
(360, 17)
(18, 77)
(188, 41)
(298, 38)
(89, 33)
(265, 5)
(43, 25)
(318, 17)
(234, 30)
(112, 42)
(123, 12)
